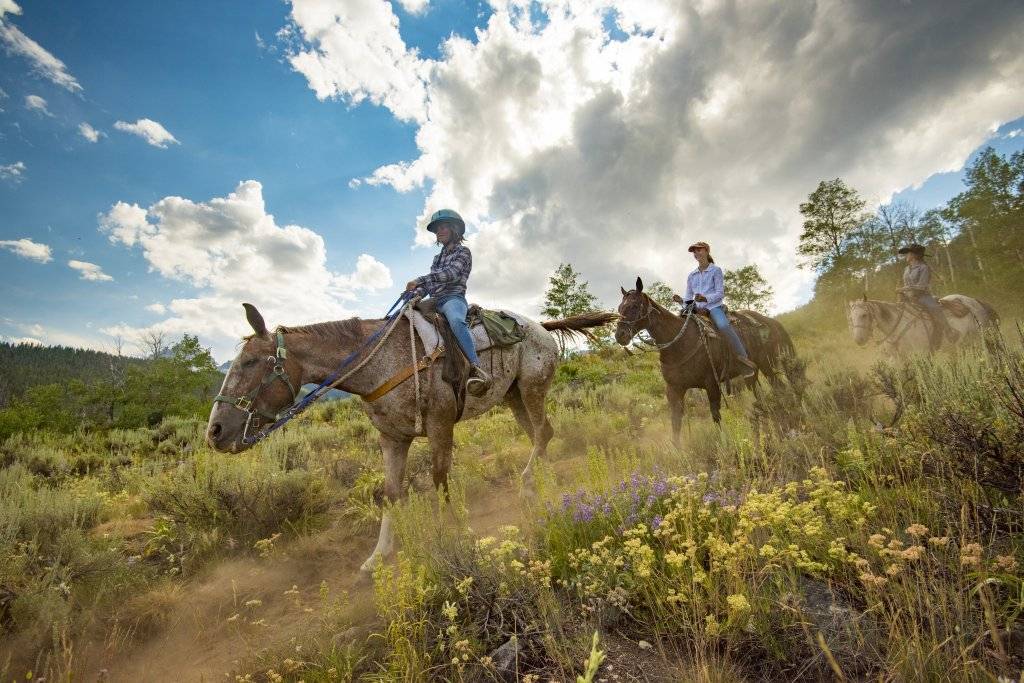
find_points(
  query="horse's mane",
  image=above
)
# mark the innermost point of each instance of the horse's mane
(883, 308)
(347, 331)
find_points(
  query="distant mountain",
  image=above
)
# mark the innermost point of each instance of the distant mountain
(27, 365)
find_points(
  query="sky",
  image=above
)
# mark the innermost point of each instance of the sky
(161, 163)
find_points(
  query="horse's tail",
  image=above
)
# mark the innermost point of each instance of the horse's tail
(579, 324)
(993, 316)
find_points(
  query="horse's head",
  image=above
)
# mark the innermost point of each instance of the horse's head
(634, 313)
(261, 382)
(858, 314)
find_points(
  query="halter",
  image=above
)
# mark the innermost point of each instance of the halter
(647, 316)
(247, 402)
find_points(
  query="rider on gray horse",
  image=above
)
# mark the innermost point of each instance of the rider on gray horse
(916, 289)
(446, 284)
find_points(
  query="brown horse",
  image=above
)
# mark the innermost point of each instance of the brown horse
(271, 366)
(690, 359)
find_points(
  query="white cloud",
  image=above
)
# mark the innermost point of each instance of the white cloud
(149, 130)
(28, 249)
(233, 251)
(1015, 132)
(354, 50)
(43, 63)
(414, 6)
(14, 172)
(32, 341)
(37, 104)
(90, 133)
(559, 143)
(157, 308)
(89, 271)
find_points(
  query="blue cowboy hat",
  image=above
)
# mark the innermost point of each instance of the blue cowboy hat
(447, 216)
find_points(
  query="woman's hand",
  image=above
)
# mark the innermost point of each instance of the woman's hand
(410, 286)
(678, 299)
(700, 297)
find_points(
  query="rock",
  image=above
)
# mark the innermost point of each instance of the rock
(505, 660)
(850, 634)
(644, 645)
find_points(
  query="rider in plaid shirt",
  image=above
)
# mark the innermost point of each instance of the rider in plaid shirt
(448, 273)
(446, 284)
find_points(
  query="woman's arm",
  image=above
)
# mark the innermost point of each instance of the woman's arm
(457, 266)
(717, 293)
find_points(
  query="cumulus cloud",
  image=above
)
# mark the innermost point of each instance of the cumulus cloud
(37, 104)
(31, 341)
(414, 6)
(14, 172)
(353, 50)
(90, 133)
(157, 308)
(149, 130)
(26, 248)
(233, 251)
(89, 271)
(562, 142)
(43, 63)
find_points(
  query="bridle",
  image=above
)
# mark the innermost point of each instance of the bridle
(633, 331)
(247, 402)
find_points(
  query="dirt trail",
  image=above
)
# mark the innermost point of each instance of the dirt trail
(199, 642)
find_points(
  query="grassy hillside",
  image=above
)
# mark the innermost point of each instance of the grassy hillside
(27, 365)
(868, 524)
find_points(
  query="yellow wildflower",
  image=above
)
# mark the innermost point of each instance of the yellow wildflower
(738, 603)
(914, 552)
(939, 541)
(917, 529)
(1006, 562)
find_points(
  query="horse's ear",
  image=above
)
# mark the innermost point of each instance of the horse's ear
(639, 284)
(256, 320)
(624, 292)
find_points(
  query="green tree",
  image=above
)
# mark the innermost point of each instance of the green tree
(568, 295)
(832, 215)
(745, 288)
(661, 293)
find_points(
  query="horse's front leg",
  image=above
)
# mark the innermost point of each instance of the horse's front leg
(439, 432)
(715, 399)
(396, 453)
(676, 406)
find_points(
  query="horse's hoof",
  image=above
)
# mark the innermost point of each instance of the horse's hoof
(370, 564)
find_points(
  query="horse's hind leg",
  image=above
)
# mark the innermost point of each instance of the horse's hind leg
(396, 452)
(531, 400)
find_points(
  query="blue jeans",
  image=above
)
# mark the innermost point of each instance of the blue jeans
(933, 306)
(722, 323)
(454, 309)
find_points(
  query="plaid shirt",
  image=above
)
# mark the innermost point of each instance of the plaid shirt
(448, 273)
(917, 278)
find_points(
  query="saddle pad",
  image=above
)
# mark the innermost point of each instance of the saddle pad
(955, 308)
(431, 338)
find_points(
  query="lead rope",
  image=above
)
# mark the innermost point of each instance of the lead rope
(415, 370)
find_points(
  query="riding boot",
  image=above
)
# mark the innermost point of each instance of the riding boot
(749, 369)
(479, 382)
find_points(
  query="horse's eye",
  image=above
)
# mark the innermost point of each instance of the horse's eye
(249, 363)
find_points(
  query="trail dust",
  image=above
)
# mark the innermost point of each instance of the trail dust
(198, 640)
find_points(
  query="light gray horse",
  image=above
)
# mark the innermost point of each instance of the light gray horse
(903, 329)
(272, 365)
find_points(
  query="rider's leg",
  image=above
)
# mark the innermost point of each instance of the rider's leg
(939, 316)
(721, 321)
(454, 309)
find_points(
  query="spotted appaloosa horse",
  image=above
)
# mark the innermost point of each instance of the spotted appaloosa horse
(266, 378)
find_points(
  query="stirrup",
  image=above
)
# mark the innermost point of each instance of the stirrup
(478, 383)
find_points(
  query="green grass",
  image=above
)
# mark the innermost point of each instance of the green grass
(867, 523)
